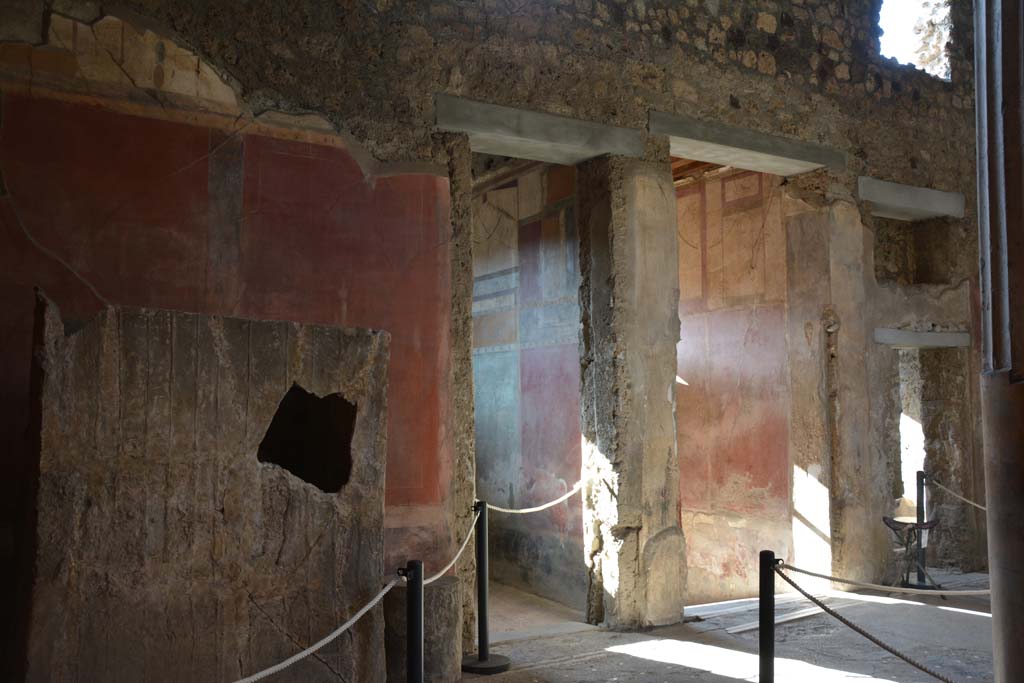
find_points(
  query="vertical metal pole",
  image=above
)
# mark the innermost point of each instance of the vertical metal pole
(482, 572)
(920, 532)
(484, 662)
(414, 622)
(766, 617)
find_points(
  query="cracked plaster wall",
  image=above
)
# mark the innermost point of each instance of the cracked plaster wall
(803, 68)
(172, 196)
(166, 551)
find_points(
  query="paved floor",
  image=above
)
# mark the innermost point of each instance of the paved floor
(547, 643)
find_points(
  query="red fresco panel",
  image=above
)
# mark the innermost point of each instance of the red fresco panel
(347, 251)
(121, 198)
(748, 403)
(124, 200)
(550, 418)
(691, 414)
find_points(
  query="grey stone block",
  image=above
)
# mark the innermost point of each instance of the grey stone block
(167, 551)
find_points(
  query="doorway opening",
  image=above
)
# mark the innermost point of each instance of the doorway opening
(732, 383)
(526, 374)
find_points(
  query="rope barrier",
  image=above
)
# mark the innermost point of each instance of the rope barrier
(324, 641)
(455, 559)
(545, 506)
(846, 622)
(366, 608)
(885, 589)
(957, 495)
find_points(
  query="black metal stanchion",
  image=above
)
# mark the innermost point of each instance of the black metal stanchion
(766, 617)
(414, 621)
(483, 662)
(921, 550)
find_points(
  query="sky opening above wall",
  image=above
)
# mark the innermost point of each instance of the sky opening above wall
(915, 32)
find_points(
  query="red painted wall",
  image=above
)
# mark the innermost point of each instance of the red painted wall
(732, 415)
(161, 214)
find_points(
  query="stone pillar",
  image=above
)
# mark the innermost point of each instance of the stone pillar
(452, 150)
(630, 326)
(1000, 123)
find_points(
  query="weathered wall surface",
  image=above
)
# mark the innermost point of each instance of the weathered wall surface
(526, 378)
(442, 644)
(167, 552)
(930, 260)
(636, 554)
(948, 418)
(794, 398)
(145, 212)
(111, 199)
(807, 69)
(732, 390)
(863, 386)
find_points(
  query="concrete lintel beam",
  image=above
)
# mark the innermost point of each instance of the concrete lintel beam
(729, 146)
(908, 203)
(908, 339)
(511, 132)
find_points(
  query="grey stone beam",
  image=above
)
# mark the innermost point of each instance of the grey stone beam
(906, 202)
(511, 132)
(729, 146)
(908, 339)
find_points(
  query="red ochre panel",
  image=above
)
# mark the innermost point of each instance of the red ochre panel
(350, 252)
(733, 416)
(550, 413)
(126, 202)
(122, 199)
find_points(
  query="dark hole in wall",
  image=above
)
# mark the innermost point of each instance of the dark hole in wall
(311, 437)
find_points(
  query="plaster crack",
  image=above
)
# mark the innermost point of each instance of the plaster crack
(295, 641)
(120, 67)
(184, 167)
(52, 254)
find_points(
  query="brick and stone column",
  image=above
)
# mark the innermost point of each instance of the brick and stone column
(630, 326)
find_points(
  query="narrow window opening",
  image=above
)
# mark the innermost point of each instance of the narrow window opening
(311, 437)
(916, 32)
(912, 440)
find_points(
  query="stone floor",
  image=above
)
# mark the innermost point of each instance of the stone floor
(547, 642)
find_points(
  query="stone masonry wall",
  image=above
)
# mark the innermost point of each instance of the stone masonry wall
(803, 68)
(166, 551)
(807, 69)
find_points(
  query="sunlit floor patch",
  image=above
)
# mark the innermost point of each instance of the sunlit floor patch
(740, 666)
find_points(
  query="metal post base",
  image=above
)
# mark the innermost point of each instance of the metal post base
(494, 664)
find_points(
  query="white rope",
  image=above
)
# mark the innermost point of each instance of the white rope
(957, 495)
(545, 506)
(316, 646)
(885, 589)
(348, 624)
(455, 559)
